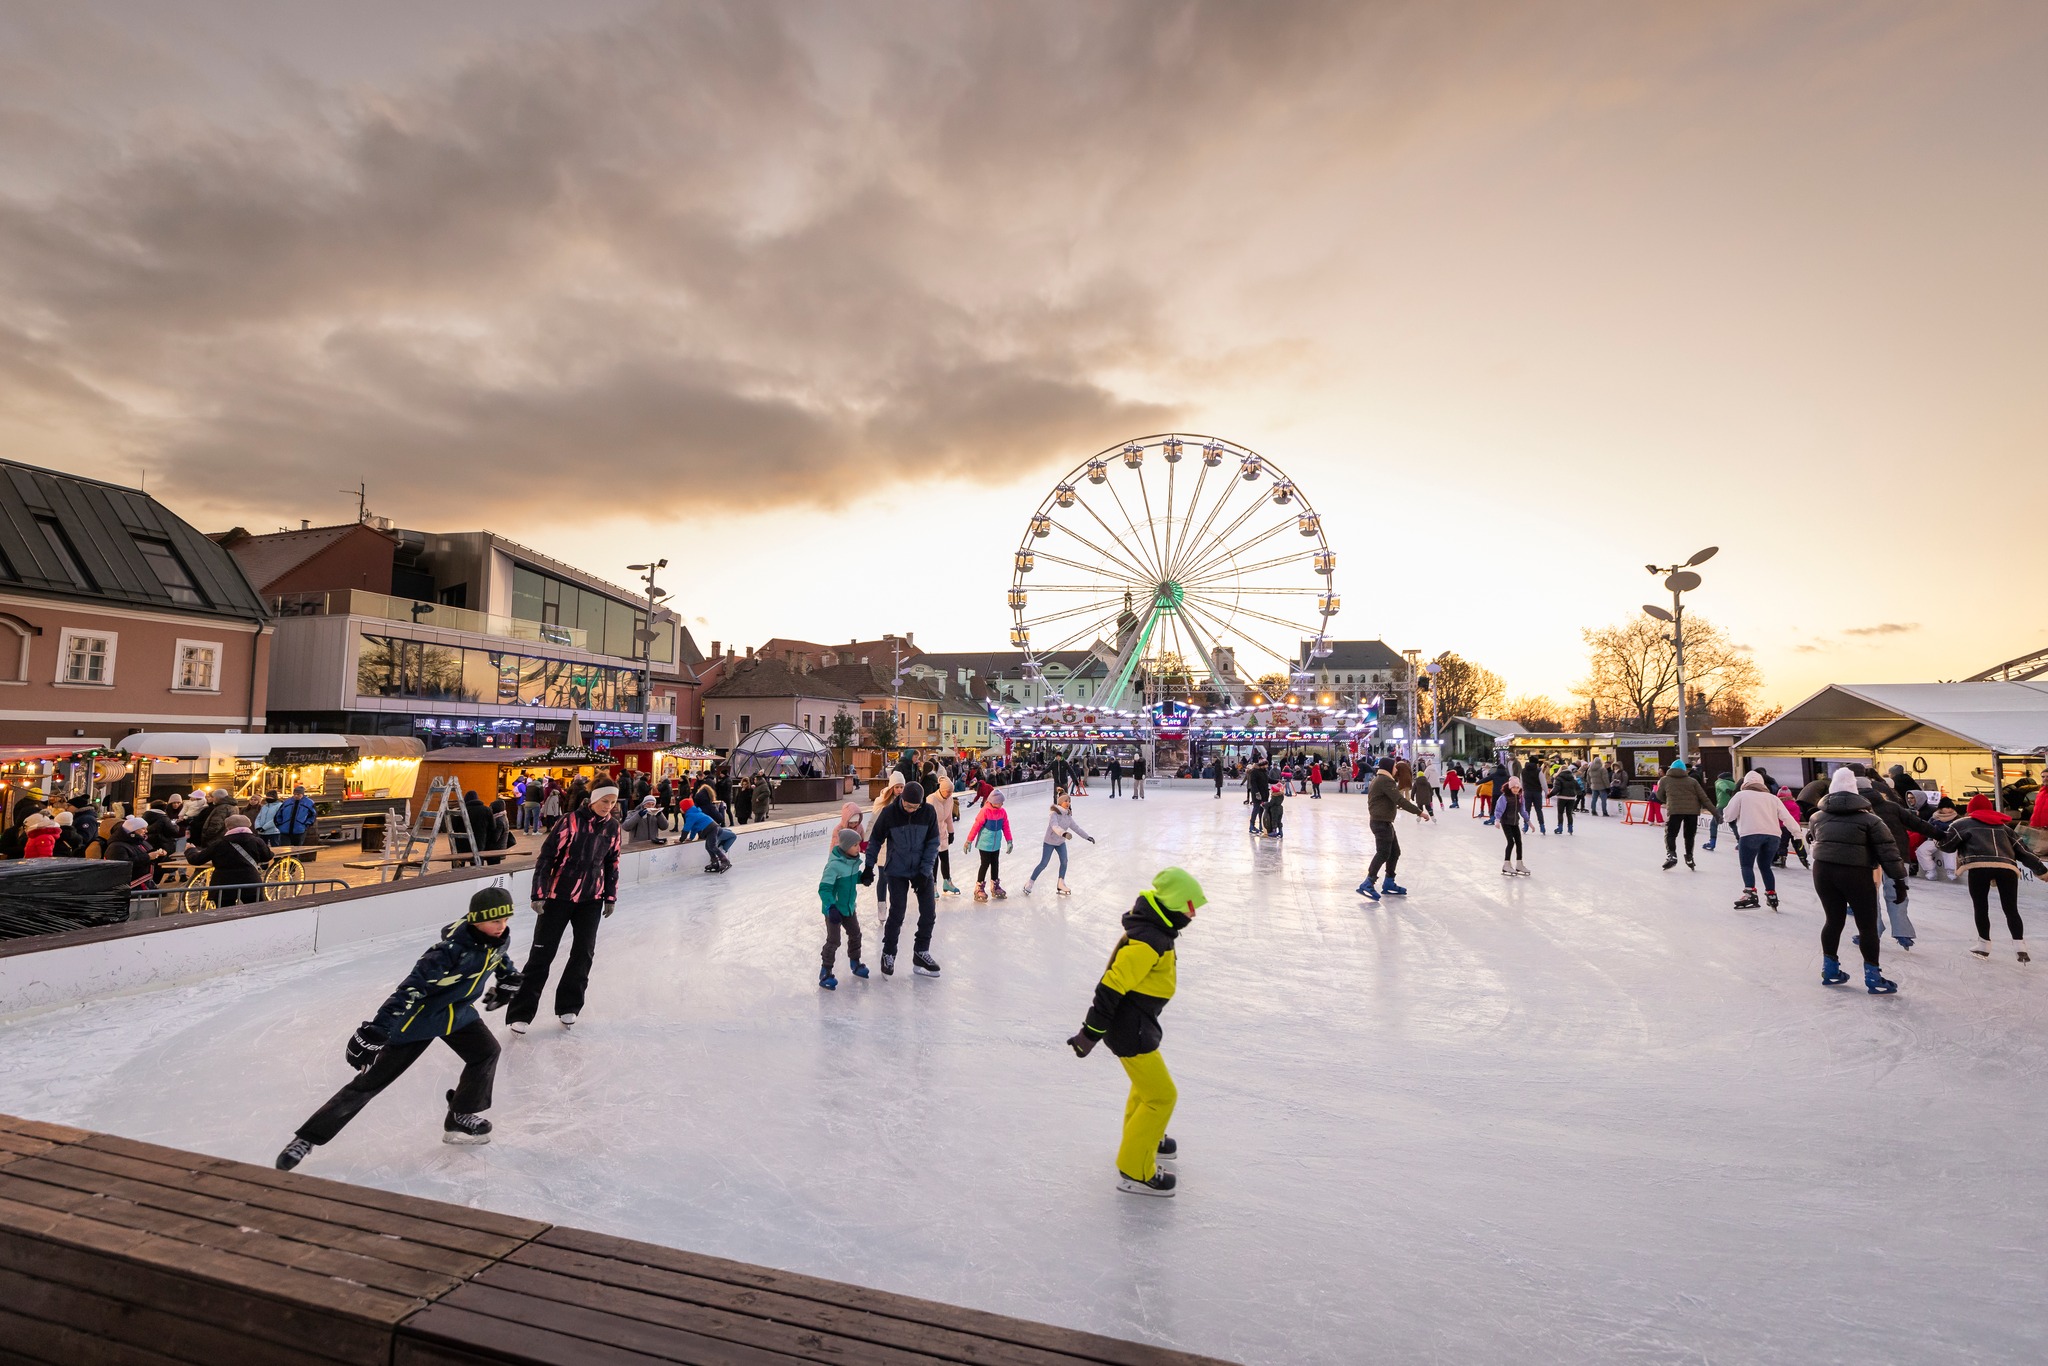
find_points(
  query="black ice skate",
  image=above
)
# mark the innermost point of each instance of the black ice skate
(1161, 1184)
(1747, 901)
(294, 1153)
(460, 1128)
(1670, 862)
(925, 964)
(1772, 899)
(888, 965)
(1168, 1149)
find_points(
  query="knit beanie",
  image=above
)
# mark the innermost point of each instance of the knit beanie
(492, 903)
(849, 839)
(1843, 781)
(913, 792)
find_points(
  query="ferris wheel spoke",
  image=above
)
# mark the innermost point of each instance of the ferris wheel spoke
(1166, 552)
(1131, 525)
(1138, 575)
(1241, 570)
(1151, 527)
(1074, 564)
(1236, 589)
(1095, 587)
(1195, 541)
(1114, 602)
(1237, 550)
(1223, 626)
(1220, 546)
(1092, 628)
(1173, 551)
(1239, 608)
(1227, 684)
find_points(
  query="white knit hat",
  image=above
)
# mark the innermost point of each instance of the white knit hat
(1843, 781)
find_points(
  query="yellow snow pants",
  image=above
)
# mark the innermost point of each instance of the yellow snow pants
(1145, 1114)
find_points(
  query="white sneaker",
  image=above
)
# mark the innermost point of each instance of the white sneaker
(518, 1026)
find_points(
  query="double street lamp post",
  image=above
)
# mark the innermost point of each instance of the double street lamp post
(645, 638)
(1680, 579)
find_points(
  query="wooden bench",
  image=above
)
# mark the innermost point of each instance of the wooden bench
(113, 1251)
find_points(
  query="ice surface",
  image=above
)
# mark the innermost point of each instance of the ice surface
(1593, 1115)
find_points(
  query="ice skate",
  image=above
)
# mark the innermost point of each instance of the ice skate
(1983, 949)
(1168, 1149)
(948, 889)
(1907, 942)
(860, 969)
(998, 893)
(1160, 1184)
(1831, 974)
(1029, 884)
(1748, 900)
(1670, 862)
(1368, 891)
(1507, 868)
(1876, 983)
(1772, 898)
(294, 1153)
(1393, 888)
(518, 1026)
(465, 1129)
(1521, 868)
(888, 965)
(2022, 951)
(924, 964)
(1690, 864)
(567, 1020)
(828, 981)
(1063, 889)
(980, 892)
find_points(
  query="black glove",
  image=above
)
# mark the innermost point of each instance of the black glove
(503, 990)
(1899, 890)
(1804, 861)
(609, 907)
(867, 878)
(364, 1045)
(1083, 1042)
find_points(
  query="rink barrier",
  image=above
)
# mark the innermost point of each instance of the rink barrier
(48, 972)
(117, 1251)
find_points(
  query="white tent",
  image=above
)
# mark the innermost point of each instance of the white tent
(778, 750)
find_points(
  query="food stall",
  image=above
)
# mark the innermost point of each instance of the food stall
(489, 772)
(334, 769)
(661, 760)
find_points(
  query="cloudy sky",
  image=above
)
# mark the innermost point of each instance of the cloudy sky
(817, 300)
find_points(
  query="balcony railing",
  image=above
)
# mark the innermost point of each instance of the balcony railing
(358, 603)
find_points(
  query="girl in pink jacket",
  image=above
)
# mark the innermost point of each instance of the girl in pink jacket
(990, 829)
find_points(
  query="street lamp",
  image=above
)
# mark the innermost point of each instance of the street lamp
(645, 637)
(1680, 579)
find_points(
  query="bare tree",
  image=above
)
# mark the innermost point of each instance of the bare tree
(1462, 688)
(1632, 672)
(1537, 713)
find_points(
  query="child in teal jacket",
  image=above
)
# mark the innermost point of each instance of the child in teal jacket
(839, 890)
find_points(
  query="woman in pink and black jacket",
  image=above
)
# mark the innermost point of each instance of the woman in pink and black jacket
(575, 885)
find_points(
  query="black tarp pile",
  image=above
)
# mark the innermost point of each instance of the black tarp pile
(52, 895)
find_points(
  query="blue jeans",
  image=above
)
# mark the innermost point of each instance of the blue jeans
(1045, 857)
(1714, 829)
(1454, 798)
(1755, 849)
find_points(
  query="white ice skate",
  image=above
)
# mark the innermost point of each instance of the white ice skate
(567, 1020)
(1064, 889)
(1521, 868)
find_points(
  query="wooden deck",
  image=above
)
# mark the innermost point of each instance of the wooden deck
(127, 1253)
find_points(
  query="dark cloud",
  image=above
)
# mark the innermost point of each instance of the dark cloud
(740, 255)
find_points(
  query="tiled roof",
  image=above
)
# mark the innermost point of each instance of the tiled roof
(268, 558)
(767, 678)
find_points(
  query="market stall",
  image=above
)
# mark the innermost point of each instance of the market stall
(490, 772)
(687, 763)
(334, 769)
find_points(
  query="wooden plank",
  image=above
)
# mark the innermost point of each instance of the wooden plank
(929, 1341)
(241, 1215)
(41, 1341)
(1092, 1347)
(311, 1313)
(205, 1233)
(232, 1184)
(485, 1338)
(420, 1352)
(418, 1207)
(35, 1128)
(107, 1316)
(799, 1341)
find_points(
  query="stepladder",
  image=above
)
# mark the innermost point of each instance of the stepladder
(442, 813)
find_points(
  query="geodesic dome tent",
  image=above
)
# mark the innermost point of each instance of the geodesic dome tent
(778, 751)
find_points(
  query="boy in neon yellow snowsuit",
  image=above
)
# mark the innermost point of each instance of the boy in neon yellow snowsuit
(1125, 1013)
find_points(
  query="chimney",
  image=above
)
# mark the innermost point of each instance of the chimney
(305, 523)
(910, 637)
(750, 652)
(714, 649)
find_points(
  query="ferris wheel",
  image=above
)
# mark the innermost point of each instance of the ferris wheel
(1175, 557)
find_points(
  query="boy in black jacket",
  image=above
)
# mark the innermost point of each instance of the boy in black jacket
(433, 1003)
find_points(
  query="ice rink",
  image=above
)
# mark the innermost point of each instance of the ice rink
(1592, 1115)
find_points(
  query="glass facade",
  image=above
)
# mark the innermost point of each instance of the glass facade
(392, 666)
(541, 597)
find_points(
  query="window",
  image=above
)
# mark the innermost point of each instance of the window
(171, 572)
(198, 666)
(746, 725)
(66, 554)
(718, 720)
(86, 658)
(15, 635)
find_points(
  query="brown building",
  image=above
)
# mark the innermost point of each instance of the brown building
(806, 655)
(755, 692)
(116, 616)
(314, 559)
(915, 703)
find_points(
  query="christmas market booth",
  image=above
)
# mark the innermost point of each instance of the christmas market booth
(660, 761)
(339, 772)
(1178, 733)
(490, 772)
(54, 773)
